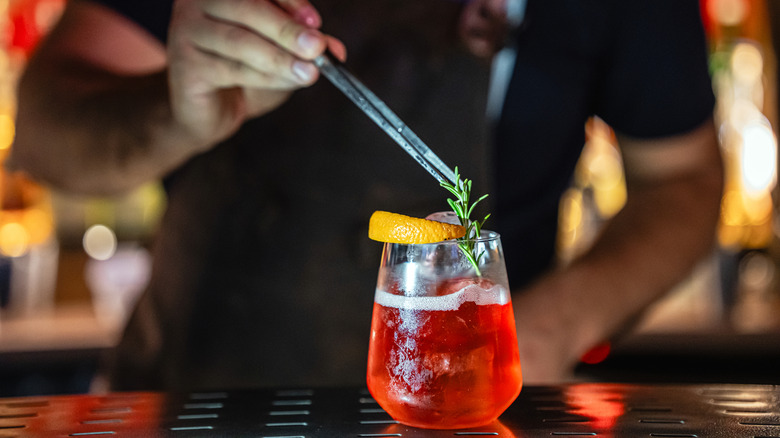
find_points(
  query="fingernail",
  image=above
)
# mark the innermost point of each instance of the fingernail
(308, 40)
(303, 70)
(309, 17)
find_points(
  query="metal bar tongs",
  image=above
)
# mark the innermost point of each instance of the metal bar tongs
(378, 111)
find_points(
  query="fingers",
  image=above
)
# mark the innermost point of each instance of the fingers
(271, 22)
(248, 43)
(229, 60)
(337, 48)
(263, 43)
(248, 58)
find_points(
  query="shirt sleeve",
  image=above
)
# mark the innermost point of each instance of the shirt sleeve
(152, 15)
(656, 80)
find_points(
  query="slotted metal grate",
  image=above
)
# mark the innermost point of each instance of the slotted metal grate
(575, 410)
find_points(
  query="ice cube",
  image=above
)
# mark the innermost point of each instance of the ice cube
(448, 217)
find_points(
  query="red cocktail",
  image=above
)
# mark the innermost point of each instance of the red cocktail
(443, 351)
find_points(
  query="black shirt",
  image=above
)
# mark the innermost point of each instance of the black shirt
(639, 65)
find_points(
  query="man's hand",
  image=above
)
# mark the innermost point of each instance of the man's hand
(230, 60)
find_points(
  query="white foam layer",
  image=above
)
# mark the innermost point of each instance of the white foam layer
(482, 297)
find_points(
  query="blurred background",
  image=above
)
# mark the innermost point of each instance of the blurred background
(72, 268)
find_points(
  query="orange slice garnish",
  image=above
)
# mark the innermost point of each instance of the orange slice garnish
(398, 228)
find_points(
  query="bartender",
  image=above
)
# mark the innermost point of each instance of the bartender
(262, 273)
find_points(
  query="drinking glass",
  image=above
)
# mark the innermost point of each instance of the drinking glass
(443, 350)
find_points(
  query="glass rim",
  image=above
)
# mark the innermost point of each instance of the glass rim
(485, 236)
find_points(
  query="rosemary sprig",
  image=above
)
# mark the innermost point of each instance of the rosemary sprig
(460, 205)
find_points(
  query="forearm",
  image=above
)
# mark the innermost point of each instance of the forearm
(646, 250)
(104, 106)
(666, 227)
(88, 131)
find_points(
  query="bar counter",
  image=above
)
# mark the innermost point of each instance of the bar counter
(576, 409)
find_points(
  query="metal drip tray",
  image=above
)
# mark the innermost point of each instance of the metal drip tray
(574, 410)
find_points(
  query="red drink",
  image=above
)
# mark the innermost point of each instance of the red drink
(447, 361)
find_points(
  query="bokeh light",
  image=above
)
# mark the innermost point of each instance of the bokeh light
(7, 131)
(758, 158)
(747, 63)
(14, 240)
(727, 12)
(100, 242)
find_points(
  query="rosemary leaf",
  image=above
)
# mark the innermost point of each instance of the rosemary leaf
(460, 205)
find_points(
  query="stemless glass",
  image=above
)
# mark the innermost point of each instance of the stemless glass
(443, 350)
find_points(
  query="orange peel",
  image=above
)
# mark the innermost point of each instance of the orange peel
(398, 228)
